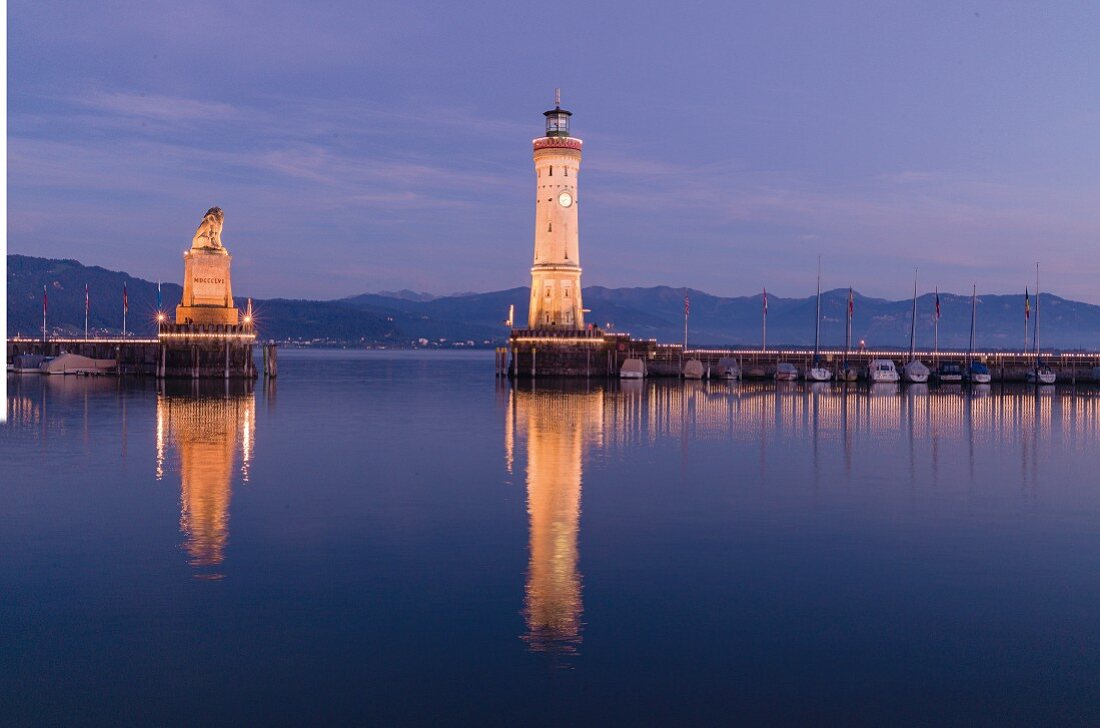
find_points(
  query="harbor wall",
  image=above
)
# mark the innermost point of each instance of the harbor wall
(534, 353)
(180, 351)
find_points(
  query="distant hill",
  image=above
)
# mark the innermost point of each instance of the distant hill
(403, 317)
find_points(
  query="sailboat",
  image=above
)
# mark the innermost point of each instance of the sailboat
(914, 370)
(1040, 374)
(848, 373)
(976, 372)
(816, 372)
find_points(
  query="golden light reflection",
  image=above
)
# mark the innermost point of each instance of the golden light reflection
(558, 427)
(206, 433)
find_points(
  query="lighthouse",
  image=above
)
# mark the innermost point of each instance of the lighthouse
(556, 273)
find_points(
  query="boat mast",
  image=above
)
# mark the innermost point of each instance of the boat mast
(1036, 316)
(936, 329)
(817, 318)
(973, 323)
(913, 321)
(848, 331)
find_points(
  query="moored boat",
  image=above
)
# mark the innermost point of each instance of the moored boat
(728, 368)
(950, 371)
(1041, 375)
(882, 371)
(979, 373)
(786, 372)
(847, 372)
(77, 364)
(693, 369)
(914, 370)
(976, 372)
(816, 372)
(28, 363)
(633, 368)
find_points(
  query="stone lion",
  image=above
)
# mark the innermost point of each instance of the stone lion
(209, 234)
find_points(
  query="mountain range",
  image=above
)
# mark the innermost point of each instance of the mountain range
(403, 318)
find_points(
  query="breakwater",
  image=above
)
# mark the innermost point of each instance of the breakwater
(177, 352)
(534, 353)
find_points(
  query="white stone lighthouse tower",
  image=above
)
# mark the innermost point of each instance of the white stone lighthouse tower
(556, 273)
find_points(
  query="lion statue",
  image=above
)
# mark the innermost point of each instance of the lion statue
(209, 234)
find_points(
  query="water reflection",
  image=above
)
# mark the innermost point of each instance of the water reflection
(819, 432)
(558, 425)
(208, 428)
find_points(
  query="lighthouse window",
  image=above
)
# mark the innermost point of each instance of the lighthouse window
(567, 171)
(550, 227)
(551, 170)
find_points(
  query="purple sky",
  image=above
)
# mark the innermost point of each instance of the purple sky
(365, 146)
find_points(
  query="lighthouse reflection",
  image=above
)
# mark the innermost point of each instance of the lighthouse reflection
(558, 426)
(820, 442)
(212, 432)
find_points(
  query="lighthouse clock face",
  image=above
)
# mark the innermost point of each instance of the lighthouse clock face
(565, 199)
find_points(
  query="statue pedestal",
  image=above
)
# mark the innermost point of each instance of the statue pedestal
(207, 291)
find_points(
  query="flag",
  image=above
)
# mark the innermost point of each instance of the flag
(87, 300)
(158, 296)
(937, 304)
(687, 304)
(765, 301)
(125, 300)
(851, 303)
(1027, 304)
(43, 301)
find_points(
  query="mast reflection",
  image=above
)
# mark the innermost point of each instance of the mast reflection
(207, 427)
(558, 425)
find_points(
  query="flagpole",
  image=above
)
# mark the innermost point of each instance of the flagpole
(125, 306)
(686, 309)
(1027, 315)
(43, 312)
(85, 311)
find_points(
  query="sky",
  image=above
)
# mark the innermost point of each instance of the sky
(368, 146)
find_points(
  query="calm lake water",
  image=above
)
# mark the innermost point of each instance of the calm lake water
(400, 538)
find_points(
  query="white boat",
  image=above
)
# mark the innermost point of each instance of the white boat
(976, 372)
(914, 370)
(693, 369)
(786, 372)
(979, 373)
(728, 368)
(816, 372)
(77, 364)
(1041, 375)
(633, 368)
(882, 371)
